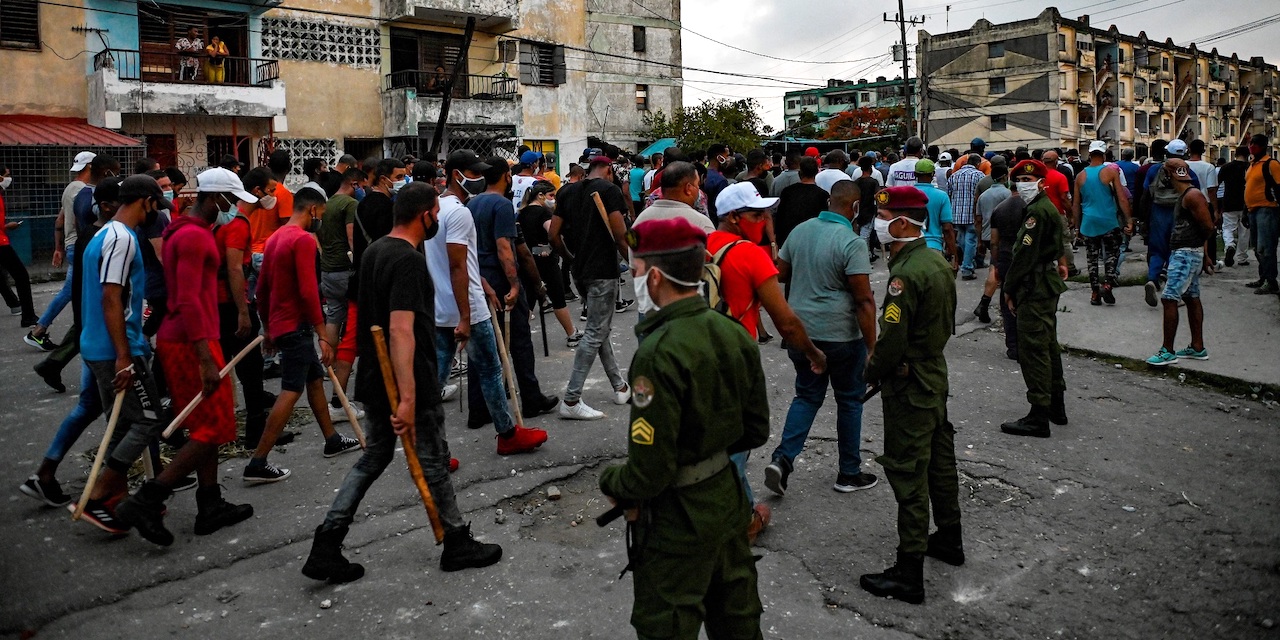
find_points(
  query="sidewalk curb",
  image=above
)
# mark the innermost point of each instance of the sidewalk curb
(1259, 392)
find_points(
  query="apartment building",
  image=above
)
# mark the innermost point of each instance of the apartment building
(842, 95)
(1052, 81)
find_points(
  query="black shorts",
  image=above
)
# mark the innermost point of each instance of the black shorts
(299, 362)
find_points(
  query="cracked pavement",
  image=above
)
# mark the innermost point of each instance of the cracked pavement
(1153, 514)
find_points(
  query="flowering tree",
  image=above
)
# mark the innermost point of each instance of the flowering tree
(863, 122)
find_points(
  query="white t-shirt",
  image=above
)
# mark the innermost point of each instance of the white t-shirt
(518, 186)
(903, 173)
(648, 180)
(1206, 172)
(855, 172)
(456, 227)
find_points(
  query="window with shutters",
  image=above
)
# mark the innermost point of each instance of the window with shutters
(20, 24)
(541, 64)
(642, 97)
(638, 39)
(995, 86)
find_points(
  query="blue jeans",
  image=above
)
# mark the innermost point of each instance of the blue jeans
(967, 239)
(595, 339)
(1158, 231)
(86, 411)
(432, 451)
(63, 297)
(483, 359)
(1266, 234)
(845, 362)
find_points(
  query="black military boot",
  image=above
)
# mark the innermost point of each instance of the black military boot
(463, 551)
(1058, 408)
(215, 513)
(983, 310)
(145, 510)
(1034, 424)
(326, 561)
(903, 581)
(946, 545)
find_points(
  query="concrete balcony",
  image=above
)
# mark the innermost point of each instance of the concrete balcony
(157, 83)
(411, 98)
(491, 15)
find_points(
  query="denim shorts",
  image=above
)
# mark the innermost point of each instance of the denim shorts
(1184, 274)
(299, 362)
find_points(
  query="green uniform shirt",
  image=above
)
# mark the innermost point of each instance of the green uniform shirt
(1033, 274)
(339, 212)
(697, 389)
(917, 319)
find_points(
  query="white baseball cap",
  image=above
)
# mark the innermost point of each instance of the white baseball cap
(82, 160)
(1176, 148)
(219, 180)
(945, 156)
(739, 196)
(1099, 146)
(828, 178)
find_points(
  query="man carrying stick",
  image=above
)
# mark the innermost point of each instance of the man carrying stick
(396, 292)
(190, 352)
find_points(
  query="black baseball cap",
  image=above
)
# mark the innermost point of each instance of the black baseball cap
(107, 190)
(464, 160)
(138, 187)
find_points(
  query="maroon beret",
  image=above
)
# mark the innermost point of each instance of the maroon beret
(1029, 168)
(653, 237)
(901, 198)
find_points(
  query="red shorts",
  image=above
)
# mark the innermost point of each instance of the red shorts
(214, 421)
(347, 344)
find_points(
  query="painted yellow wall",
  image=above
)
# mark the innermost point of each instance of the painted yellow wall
(348, 7)
(41, 83)
(332, 101)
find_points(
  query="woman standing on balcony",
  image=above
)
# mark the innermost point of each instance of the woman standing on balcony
(215, 69)
(189, 48)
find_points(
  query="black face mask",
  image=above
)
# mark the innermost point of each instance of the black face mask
(431, 231)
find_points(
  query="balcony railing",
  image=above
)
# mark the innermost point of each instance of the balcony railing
(468, 87)
(149, 66)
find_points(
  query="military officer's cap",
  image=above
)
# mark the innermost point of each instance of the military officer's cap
(653, 237)
(901, 197)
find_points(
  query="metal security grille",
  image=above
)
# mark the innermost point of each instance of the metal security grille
(20, 24)
(299, 150)
(484, 140)
(316, 41)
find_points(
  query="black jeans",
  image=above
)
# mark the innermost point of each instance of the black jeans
(248, 370)
(522, 359)
(10, 263)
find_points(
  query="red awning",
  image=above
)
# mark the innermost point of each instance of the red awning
(62, 132)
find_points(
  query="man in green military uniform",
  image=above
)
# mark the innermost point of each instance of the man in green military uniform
(698, 396)
(919, 458)
(1032, 286)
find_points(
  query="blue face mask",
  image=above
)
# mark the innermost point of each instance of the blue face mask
(358, 194)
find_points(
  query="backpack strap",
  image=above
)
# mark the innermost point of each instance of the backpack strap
(1271, 191)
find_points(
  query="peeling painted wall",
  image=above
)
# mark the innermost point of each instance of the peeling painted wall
(130, 96)
(332, 101)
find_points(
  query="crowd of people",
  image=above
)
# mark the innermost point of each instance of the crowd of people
(170, 280)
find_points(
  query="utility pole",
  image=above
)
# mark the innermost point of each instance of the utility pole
(902, 20)
(446, 102)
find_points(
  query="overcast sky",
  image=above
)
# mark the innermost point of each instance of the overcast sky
(853, 35)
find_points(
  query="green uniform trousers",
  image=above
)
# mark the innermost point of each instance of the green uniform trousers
(1039, 353)
(919, 462)
(675, 594)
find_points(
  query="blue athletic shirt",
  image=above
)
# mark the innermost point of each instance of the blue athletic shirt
(112, 257)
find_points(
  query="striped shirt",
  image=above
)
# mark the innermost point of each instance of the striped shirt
(962, 186)
(114, 255)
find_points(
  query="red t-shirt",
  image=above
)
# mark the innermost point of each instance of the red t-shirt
(235, 235)
(744, 269)
(4, 233)
(190, 258)
(1055, 186)
(288, 288)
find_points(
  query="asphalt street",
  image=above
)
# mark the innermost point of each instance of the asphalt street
(1153, 514)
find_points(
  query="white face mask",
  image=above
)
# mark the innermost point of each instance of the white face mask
(168, 195)
(398, 185)
(886, 237)
(267, 202)
(1028, 191)
(6, 182)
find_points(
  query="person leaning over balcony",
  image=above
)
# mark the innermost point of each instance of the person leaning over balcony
(189, 48)
(215, 68)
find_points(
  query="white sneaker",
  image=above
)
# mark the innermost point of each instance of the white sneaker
(338, 414)
(449, 392)
(578, 411)
(622, 396)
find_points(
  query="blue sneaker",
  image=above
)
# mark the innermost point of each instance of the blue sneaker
(1162, 357)
(1191, 354)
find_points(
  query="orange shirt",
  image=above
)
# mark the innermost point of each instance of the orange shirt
(1255, 184)
(264, 222)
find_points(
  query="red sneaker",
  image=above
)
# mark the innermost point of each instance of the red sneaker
(522, 441)
(760, 517)
(453, 465)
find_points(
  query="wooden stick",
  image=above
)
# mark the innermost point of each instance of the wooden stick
(102, 453)
(410, 452)
(604, 215)
(191, 406)
(148, 467)
(346, 405)
(506, 366)
(542, 319)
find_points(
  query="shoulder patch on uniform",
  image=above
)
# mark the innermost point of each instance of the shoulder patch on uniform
(641, 431)
(896, 286)
(1031, 222)
(641, 392)
(1026, 240)
(882, 198)
(893, 313)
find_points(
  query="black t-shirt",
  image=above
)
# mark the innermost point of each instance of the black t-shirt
(1232, 179)
(394, 278)
(797, 203)
(595, 256)
(867, 188)
(530, 221)
(374, 218)
(1007, 217)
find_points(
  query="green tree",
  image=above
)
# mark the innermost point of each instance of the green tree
(732, 122)
(806, 126)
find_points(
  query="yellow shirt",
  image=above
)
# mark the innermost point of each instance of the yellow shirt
(1255, 184)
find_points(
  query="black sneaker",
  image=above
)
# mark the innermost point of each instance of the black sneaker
(775, 476)
(48, 493)
(573, 340)
(621, 306)
(583, 316)
(850, 483)
(51, 377)
(98, 514)
(265, 474)
(144, 510)
(463, 551)
(215, 513)
(42, 343)
(1230, 259)
(1108, 295)
(340, 444)
(184, 484)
